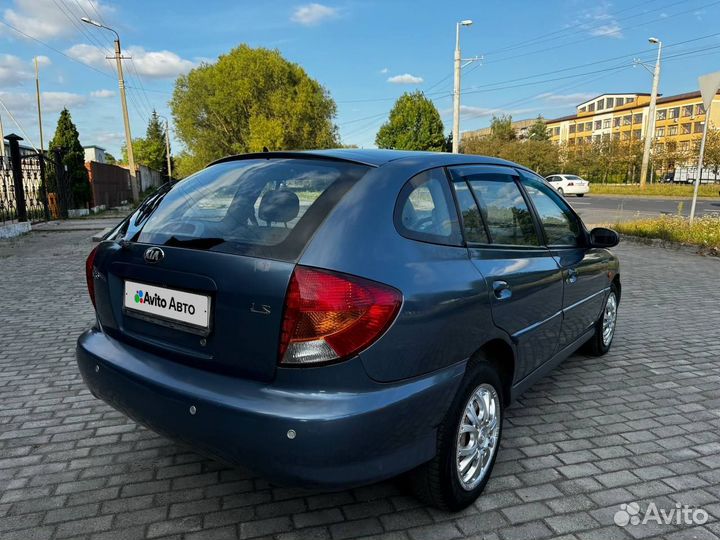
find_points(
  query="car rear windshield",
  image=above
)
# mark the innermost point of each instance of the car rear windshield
(572, 177)
(258, 207)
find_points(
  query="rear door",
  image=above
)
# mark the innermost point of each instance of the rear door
(584, 269)
(523, 277)
(199, 273)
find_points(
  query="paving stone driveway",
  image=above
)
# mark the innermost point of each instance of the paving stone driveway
(641, 424)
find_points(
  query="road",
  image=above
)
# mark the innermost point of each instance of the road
(639, 424)
(601, 209)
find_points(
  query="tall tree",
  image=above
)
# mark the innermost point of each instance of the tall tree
(151, 150)
(538, 130)
(67, 140)
(501, 128)
(250, 99)
(414, 124)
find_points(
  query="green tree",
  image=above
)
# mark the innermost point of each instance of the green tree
(67, 140)
(538, 130)
(501, 128)
(110, 159)
(711, 159)
(414, 124)
(150, 151)
(250, 99)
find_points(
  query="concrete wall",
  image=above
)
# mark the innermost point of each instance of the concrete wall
(150, 178)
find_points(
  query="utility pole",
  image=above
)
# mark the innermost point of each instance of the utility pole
(167, 147)
(39, 110)
(123, 101)
(650, 132)
(2, 139)
(456, 87)
(41, 154)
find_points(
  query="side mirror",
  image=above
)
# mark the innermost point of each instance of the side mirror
(600, 237)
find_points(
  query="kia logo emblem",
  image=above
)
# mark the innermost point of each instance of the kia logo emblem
(154, 254)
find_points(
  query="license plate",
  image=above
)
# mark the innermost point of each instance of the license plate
(168, 305)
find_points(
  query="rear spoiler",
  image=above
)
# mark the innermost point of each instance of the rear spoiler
(290, 155)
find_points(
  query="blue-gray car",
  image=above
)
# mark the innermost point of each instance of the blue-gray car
(335, 318)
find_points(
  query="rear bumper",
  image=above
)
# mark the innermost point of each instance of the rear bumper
(350, 430)
(574, 190)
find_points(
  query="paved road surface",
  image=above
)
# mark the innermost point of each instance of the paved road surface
(597, 209)
(638, 425)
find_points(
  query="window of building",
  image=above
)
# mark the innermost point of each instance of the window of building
(572, 128)
(636, 134)
(588, 126)
(637, 118)
(596, 138)
(588, 139)
(698, 127)
(685, 129)
(629, 100)
(616, 121)
(616, 136)
(580, 127)
(662, 114)
(625, 135)
(582, 109)
(591, 107)
(686, 110)
(672, 130)
(684, 146)
(601, 105)
(699, 108)
(598, 124)
(627, 119)
(674, 112)
(659, 147)
(610, 102)
(606, 123)
(557, 130)
(660, 132)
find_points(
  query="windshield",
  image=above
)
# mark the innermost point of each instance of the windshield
(263, 207)
(572, 177)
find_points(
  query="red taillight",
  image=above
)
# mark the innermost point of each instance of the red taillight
(89, 263)
(570, 184)
(331, 316)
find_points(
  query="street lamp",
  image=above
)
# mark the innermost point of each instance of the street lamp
(456, 89)
(651, 114)
(123, 102)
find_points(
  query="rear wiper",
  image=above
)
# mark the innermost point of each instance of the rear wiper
(195, 243)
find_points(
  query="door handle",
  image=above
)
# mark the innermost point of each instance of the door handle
(501, 289)
(571, 276)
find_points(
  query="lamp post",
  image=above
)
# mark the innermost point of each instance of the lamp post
(123, 100)
(456, 88)
(651, 115)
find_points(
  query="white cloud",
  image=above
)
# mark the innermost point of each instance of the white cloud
(568, 99)
(43, 60)
(383, 71)
(156, 64)
(43, 19)
(612, 30)
(13, 70)
(311, 14)
(104, 93)
(405, 78)
(52, 102)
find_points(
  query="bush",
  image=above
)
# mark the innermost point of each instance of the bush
(704, 231)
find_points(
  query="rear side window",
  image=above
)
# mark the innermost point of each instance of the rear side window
(473, 223)
(260, 207)
(425, 211)
(502, 205)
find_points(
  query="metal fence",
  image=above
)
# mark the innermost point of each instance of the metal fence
(28, 183)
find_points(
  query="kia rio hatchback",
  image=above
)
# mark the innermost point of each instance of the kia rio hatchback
(334, 318)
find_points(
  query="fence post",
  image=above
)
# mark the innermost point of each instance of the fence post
(43, 187)
(14, 141)
(60, 183)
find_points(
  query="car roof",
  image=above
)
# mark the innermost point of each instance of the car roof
(373, 157)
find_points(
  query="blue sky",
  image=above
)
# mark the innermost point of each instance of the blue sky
(539, 57)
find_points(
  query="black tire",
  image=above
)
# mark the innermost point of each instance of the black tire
(580, 194)
(436, 482)
(561, 192)
(596, 346)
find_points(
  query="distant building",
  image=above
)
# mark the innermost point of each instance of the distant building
(94, 153)
(521, 127)
(623, 117)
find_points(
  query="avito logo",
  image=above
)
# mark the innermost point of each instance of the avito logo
(144, 297)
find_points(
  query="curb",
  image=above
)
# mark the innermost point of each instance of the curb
(667, 244)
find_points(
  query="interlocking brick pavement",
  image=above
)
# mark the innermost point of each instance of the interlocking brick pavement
(641, 424)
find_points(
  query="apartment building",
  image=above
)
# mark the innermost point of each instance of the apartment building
(623, 117)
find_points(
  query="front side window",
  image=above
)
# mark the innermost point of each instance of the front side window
(560, 225)
(508, 219)
(425, 212)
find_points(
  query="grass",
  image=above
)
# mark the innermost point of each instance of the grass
(704, 232)
(655, 190)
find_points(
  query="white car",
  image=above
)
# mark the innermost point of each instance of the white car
(569, 184)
